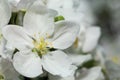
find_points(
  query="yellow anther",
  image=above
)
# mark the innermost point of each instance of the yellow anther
(76, 43)
(41, 46)
(24, 10)
(115, 59)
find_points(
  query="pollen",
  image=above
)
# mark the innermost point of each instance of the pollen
(41, 46)
(23, 10)
(76, 43)
(115, 59)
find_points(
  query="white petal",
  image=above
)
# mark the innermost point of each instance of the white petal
(92, 74)
(52, 77)
(78, 59)
(39, 19)
(28, 65)
(91, 38)
(2, 46)
(14, 5)
(5, 13)
(17, 36)
(65, 34)
(25, 4)
(58, 63)
(4, 52)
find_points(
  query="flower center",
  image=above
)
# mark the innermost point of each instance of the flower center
(40, 46)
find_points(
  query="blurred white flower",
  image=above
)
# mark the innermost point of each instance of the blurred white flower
(108, 56)
(78, 11)
(91, 38)
(5, 14)
(100, 56)
(7, 71)
(81, 13)
(78, 59)
(52, 77)
(23, 5)
(87, 40)
(110, 63)
(13, 4)
(111, 50)
(39, 42)
(113, 70)
(112, 58)
(94, 73)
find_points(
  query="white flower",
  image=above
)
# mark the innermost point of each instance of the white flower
(36, 40)
(78, 59)
(110, 57)
(111, 50)
(7, 71)
(91, 38)
(87, 40)
(23, 5)
(13, 4)
(5, 14)
(80, 12)
(52, 77)
(113, 70)
(94, 73)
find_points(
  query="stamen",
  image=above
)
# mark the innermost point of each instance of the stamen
(41, 46)
(76, 43)
(115, 59)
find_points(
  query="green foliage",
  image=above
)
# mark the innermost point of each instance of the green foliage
(17, 18)
(1, 77)
(59, 18)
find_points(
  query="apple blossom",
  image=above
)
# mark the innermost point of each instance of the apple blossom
(81, 13)
(40, 42)
(5, 14)
(94, 73)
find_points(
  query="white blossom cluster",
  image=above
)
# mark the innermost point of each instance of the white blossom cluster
(52, 40)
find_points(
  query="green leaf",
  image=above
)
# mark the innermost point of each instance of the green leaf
(58, 18)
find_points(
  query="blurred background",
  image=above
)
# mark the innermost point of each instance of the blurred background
(107, 16)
